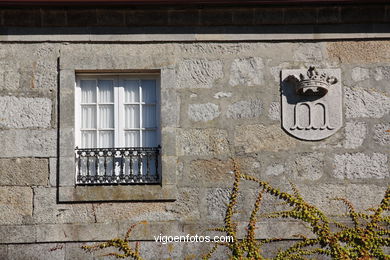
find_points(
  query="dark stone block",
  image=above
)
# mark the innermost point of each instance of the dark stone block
(147, 17)
(110, 17)
(22, 17)
(328, 15)
(387, 18)
(82, 17)
(216, 17)
(269, 16)
(300, 16)
(363, 14)
(56, 17)
(184, 17)
(243, 16)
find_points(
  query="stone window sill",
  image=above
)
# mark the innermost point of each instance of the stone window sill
(118, 193)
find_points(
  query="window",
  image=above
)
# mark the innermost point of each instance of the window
(117, 129)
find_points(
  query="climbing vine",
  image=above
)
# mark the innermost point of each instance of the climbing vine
(364, 237)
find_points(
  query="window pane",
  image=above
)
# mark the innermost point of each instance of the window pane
(88, 116)
(149, 139)
(106, 91)
(149, 116)
(88, 91)
(88, 139)
(106, 116)
(131, 91)
(132, 139)
(106, 139)
(148, 91)
(132, 116)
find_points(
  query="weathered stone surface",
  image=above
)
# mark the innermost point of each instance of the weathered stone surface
(20, 112)
(321, 195)
(9, 80)
(361, 166)
(197, 250)
(247, 72)
(15, 205)
(203, 112)
(29, 67)
(275, 71)
(210, 172)
(77, 232)
(244, 109)
(54, 251)
(153, 250)
(366, 103)
(26, 171)
(382, 73)
(284, 229)
(308, 52)
(53, 172)
(202, 142)
(169, 106)
(360, 74)
(355, 134)
(111, 212)
(258, 137)
(364, 196)
(198, 73)
(3, 251)
(213, 49)
(307, 166)
(187, 205)
(382, 134)
(73, 251)
(356, 52)
(46, 209)
(28, 143)
(147, 230)
(17, 233)
(216, 200)
(274, 111)
(275, 169)
(219, 95)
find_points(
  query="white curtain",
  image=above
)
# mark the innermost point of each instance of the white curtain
(131, 91)
(132, 119)
(132, 113)
(132, 138)
(148, 91)
(106, 113)
(88, 91)
(88, 113)
(149, 116)
(106, 91)
(93, 134)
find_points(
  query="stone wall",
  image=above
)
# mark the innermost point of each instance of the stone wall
(228, 100)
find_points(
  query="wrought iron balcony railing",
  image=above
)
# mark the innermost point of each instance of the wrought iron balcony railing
(108, 166)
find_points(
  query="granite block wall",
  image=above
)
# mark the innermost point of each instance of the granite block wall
(227, 106)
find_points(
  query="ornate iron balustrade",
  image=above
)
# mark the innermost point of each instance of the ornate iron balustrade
(107, 166)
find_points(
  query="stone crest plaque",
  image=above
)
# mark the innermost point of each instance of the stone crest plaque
(311, 102)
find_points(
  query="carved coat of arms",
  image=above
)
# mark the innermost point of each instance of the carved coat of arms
(311, 103)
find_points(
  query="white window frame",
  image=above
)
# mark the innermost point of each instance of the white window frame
(119, 111)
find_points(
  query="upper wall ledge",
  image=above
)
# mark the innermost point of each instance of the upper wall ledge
(197, 34)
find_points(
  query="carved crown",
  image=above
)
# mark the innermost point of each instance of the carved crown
(314, 83)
